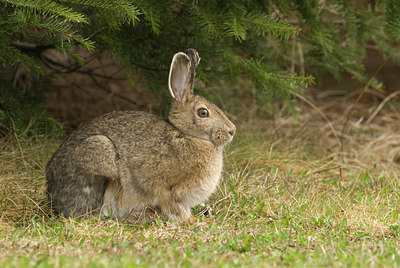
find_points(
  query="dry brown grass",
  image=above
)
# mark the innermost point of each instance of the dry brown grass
(22, 179)
(308, 157)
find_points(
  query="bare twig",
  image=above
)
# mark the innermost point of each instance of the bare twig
(380, 106)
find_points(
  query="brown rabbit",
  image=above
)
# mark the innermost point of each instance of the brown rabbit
(123, 162)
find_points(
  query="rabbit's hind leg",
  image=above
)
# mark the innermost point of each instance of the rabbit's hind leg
(97, 158)
(97, 155)
(91, 167)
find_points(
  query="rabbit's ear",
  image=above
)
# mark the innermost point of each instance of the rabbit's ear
(194, 60)
(179, 76)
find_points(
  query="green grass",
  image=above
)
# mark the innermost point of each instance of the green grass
(283, 201)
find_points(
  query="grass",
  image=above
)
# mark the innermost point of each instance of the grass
(289, 197)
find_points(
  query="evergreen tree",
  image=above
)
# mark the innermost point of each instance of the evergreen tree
(270, 46)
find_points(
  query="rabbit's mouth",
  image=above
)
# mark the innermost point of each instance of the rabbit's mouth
(222, 137)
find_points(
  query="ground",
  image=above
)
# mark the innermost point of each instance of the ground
(293, 193)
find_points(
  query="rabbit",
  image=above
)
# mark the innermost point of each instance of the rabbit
(123, 162)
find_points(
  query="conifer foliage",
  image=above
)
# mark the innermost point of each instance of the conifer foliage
(271, 45)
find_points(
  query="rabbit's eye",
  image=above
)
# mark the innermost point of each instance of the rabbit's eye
(202, 112)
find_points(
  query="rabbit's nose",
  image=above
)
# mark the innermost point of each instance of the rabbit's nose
(232, 131)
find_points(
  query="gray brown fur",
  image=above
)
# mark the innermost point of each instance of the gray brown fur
(127, 161)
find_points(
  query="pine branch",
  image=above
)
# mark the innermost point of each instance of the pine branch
(153, 18)
(128, 12)
(238, 26)
(234, 27)
(56, 32)
(209, 26)
(393, 20)
(10, 55)
(287, 82)
(265, 24)
(152, 12)
(49, 8)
